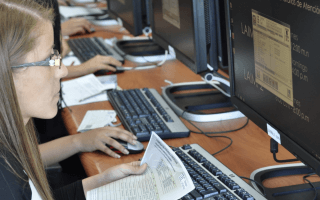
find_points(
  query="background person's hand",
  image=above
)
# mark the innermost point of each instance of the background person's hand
(94, 64)
(100, 62)
(98, 138)
(75, 26)
(124, 170)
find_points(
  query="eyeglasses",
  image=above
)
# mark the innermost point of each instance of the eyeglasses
(53, 60)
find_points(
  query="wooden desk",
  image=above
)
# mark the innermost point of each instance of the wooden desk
(250, 149)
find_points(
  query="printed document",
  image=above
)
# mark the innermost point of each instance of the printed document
(77, 91)
(165, 179)
(97, 119)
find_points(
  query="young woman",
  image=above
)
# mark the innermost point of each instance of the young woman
(30, 71)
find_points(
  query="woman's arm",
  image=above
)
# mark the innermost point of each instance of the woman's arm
(62, 148)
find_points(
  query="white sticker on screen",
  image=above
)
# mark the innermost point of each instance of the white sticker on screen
(171, 51)
(273, 133)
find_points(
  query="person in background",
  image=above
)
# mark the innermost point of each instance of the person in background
(29, 87)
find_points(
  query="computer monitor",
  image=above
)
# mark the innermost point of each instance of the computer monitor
(274, 71)
(189, 29)
(218, 49)
(182, 26)
(133, 14)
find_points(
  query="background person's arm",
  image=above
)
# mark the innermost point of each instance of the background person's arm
(97, 63)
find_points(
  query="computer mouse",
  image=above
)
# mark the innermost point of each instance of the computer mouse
(104, 71)
(133, 149)
(92, 30)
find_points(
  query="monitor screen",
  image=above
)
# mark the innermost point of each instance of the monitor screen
(132, 13)
(274, 68)
(180, 24)
(175, 23)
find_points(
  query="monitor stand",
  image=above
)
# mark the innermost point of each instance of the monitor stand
(196, 101)
(302, 191)
(141, 50)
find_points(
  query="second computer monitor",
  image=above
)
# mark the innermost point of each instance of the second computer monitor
(133, 14)
(180, 24)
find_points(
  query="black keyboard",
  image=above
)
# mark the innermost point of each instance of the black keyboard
(87, 48)
(212, 179)
(142, 111)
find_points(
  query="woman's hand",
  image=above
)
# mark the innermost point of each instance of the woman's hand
(113, 174)
(123, 170)
(74, 26)
(98, 138)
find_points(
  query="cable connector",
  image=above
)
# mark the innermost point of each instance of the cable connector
(274, 151)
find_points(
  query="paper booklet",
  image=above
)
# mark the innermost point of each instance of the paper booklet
(166, 178)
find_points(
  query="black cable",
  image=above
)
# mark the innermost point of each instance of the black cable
(282, 161)
(315, 190)
(148, 62)
(274, 150)
(231, 141)
(154, 63)
(264, 190)
(210, 136)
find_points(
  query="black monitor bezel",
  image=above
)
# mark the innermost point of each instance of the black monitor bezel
(255, 117)
(136, 28)
(199, 21)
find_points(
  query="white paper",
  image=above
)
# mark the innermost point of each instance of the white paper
(67, 61)
(75, 90)
(109, 81)
(165, 179)
(97, 119)
(74, 11)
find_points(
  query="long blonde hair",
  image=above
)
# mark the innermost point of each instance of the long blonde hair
(19, 22)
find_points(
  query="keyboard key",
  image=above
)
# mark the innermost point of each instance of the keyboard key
(167, 118)
(240, 192)
(216, 172)
(176, 149)
(207, 186)
(220, 188)
(157, 128)
(208, 193)
(248, 197)
(200, 189)
(219, 197)
(233, 186)
(131, 122)
(196, 195)
(224, 179)
(186, 147)
(188, 197)
(213, 182)
(150, 119)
